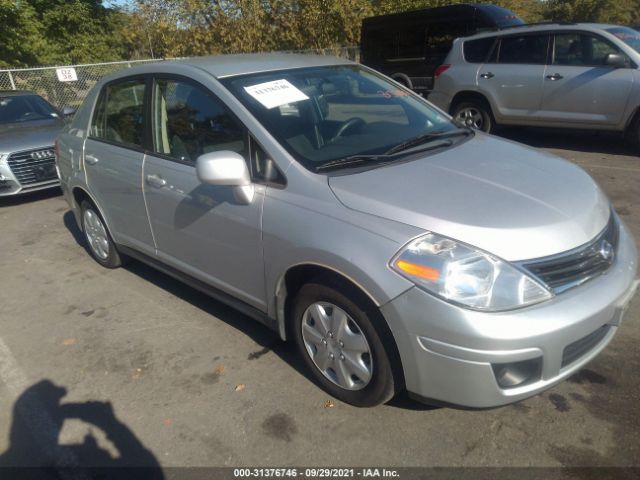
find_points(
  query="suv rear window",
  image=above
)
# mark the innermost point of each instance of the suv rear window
(477, 51)
(524, 49)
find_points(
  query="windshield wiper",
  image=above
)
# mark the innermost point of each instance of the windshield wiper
(383, 159)
(351, 161)
(426, 137)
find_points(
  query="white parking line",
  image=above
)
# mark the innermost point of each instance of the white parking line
(34, 415)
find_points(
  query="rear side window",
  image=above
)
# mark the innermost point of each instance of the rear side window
(525, 49)
(120, 113)
(188, 121)
(477, 51)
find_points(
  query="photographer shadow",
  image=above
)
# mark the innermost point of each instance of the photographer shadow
(35, 451)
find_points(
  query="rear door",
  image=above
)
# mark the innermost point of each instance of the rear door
(113, 158)
(579, 86)
(513, 78)
(201, 229)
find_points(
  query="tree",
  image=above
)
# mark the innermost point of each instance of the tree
(623, 12)
(45, 32)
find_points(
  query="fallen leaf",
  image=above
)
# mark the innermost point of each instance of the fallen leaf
(219, 370)
(329, 404)
(168, 422)
(69, 341)
(239, 387)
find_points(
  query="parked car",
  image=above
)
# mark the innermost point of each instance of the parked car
(556, 75)
(394, 248)
(409, 46)
(28, 127)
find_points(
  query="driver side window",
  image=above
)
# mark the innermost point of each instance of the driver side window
(189, 121)
(580, 50)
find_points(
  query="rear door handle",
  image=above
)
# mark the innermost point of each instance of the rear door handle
(487, 75)
(90, 159)
(156, 181)
(554, 77)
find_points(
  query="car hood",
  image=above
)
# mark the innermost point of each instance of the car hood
(507, 199)
(16, 137)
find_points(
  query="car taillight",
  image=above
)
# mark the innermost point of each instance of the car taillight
(440, 70)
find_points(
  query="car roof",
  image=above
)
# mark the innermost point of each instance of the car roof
(221, 66)
(546, 27)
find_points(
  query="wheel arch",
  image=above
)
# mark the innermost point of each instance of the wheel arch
(633, 119)
(79, 194)
(468, 95)
(299, 275)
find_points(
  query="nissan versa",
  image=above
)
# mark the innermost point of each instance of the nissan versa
(395, 248)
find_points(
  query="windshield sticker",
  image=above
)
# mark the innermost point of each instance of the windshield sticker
(276, 93)
(394, 93)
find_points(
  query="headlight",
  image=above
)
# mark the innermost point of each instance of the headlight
(3, 157)
(461, 274)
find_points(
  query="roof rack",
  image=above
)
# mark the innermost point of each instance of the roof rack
(535, 24)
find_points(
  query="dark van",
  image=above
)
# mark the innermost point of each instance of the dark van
(409, 46)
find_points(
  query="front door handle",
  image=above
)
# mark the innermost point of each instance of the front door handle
(156, 181)
(487, 75)
(90, 159)
(554, 77)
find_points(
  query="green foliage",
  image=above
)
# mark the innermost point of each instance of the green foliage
(81, 31)
(45, 32)
(607, 11)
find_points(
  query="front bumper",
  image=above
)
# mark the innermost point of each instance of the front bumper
(10, 185)
(452, 355)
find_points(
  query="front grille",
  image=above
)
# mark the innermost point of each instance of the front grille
(33, 166)
(573, 268)
(579, 348)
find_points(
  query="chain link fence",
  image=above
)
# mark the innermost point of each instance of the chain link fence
(44, 80)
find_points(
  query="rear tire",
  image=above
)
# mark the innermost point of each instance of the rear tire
(100, 245)
(474, 114)
(338, 341)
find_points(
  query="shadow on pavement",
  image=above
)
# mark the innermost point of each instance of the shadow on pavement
(35, 452)
(29, 197)
(264, 337)
(608, 143)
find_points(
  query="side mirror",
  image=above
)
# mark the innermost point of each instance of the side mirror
(228, 169)
(68, 111)
(616, 60)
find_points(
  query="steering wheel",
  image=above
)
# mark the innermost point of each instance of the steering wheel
(350, 124)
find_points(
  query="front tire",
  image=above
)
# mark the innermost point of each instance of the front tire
(100, 245)
(338, 341)
(474, 114)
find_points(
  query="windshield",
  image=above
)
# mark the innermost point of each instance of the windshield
(628, 35)
(25, 108)
(323, 114)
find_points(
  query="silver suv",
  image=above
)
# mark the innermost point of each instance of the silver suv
(394, 248)
(555, 75)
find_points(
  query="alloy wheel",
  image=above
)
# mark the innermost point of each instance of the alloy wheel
(471, 117)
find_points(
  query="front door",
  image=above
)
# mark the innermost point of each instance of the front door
(113, 159)
(201, 229)
(579, 86)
